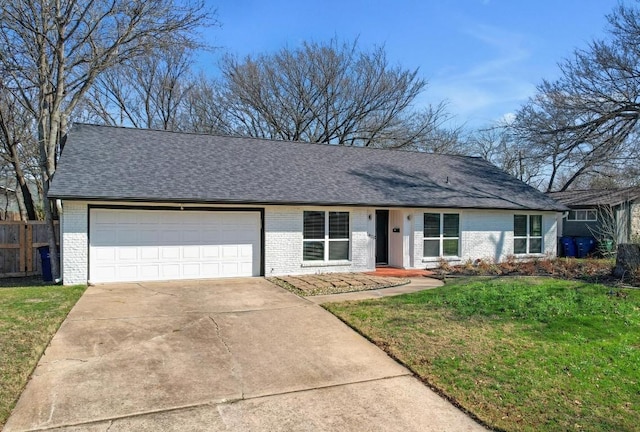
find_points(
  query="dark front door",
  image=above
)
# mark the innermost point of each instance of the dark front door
(382, 237)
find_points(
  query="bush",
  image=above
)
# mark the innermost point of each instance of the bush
(567, 268)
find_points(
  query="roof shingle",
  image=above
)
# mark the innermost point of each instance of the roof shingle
(596, 197)
(124, 164)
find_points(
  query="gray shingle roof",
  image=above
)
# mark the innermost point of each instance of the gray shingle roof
(114, 163)
(596, 197)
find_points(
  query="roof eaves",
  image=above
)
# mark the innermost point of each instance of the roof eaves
(558, 208)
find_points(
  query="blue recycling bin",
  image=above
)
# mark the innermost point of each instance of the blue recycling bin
(45, 259)
(585, 245)
(568, 246)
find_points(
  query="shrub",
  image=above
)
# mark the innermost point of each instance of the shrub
(567, 268)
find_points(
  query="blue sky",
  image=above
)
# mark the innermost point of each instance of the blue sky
(484, 57)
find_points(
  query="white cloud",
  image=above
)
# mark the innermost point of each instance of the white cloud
(483, 91)
(508, 118)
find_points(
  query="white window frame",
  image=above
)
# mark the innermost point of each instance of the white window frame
(441, 237)
(326, 240)
(585, 218)
(528, 237)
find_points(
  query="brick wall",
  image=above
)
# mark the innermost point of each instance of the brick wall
(74, 243)
(283, 242)
(484, 234)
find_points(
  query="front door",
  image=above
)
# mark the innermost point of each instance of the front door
(382, 237)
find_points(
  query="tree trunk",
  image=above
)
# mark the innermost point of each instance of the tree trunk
(27, 198)
(48, 139)
(627, 261)
(51, 234)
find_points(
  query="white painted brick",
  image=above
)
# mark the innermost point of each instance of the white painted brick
(283, 242)
(484, 235)
(75, 243)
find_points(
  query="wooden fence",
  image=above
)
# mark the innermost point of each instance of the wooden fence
(19, 243)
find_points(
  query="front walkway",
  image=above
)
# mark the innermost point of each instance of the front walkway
(415, 285)
(227, 355)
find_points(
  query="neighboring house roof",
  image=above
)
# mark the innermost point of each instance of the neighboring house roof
(596, 197)
(115, 163)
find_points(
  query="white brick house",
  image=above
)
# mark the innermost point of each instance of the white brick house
(152, 205)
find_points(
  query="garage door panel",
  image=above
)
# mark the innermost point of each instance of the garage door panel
(149, 253)
(127, 253)
(245, 267)
(124, 236)
(105, 254)
(211, 270)
(150, 271)
(230, 252)
(191, 270)
(130, 245)
(191, 252)
(125, 271)
(230, 268)
(171, 271)
(210, 252)
(170, 253)
(170, 237)
(102, 236)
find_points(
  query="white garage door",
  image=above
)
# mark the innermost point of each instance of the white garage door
(145, 245)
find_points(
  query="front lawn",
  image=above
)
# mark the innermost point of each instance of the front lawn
(521, 354)
(29, 317)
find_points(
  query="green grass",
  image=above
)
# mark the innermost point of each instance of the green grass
(29, 317)
(530, 354)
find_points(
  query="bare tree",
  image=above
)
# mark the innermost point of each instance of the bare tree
(500, 145)
(323, 92)
(53, 51)
(585, 122)
(19, 149)
(610, 231)
(551, 129)
(149, 92)
(206, 109)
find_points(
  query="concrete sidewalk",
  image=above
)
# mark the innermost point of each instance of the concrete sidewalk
(229, 355)
(416, 284)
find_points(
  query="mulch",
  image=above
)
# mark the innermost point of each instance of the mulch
(335, 283)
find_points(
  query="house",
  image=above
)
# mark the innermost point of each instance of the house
(8, 203)
(155, 205)
(607, 214)
(10, 194)
(9, 209)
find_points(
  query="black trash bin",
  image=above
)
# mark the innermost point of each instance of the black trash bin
(45, 259)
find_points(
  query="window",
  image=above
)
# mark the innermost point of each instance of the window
(527, 234)
(587, 215)
(325, 236)
(441, 234)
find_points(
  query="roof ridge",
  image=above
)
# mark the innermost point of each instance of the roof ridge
(356, 148)
(597, 190)
(123, 163)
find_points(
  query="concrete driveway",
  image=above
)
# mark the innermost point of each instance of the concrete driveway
(228, 355)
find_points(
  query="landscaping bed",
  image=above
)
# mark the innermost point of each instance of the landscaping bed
(585, 269)
(29, 317)
(519, 354)
(334, 283)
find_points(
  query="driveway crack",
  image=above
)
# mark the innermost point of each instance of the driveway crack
(156, 292)
(235, 372)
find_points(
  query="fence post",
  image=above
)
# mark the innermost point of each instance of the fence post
(29, 248)
(22, 238)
